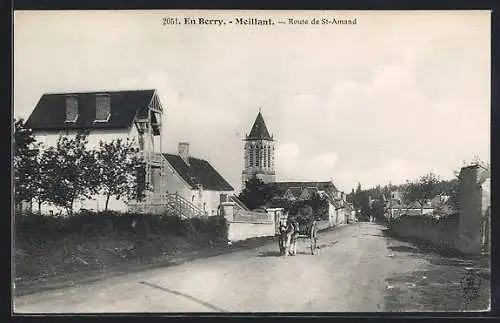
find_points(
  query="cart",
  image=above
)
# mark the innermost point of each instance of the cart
(307, 229)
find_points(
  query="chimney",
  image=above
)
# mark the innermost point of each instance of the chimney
(184, 151)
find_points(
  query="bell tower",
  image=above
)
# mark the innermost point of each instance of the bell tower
(259, 153)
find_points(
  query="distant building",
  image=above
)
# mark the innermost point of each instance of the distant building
(338, 208)
(259, 162)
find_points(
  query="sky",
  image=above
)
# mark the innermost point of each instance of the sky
(396, 96)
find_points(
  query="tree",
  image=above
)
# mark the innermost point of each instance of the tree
(72, 171)
(422, 190)
(319, 204)
(41, 180)
(116, 169)
(26, 167)
(378, 209)
(256, 193)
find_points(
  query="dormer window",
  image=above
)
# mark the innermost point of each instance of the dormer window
(102, 107)
(71, 108)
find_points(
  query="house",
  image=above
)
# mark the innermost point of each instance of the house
(396, 208)
(299, 191)
(105, 115)
(351, 213)
(196, 181)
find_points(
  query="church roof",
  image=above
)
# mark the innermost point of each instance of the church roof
(259, 129)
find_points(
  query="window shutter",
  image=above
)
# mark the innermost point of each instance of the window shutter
(71, 108)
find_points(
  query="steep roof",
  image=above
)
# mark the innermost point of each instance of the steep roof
(296, 188)
(199, 171)
(295, 191)
(259, 129)
(322, 186)
(50, 111)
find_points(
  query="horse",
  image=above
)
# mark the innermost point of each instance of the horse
(288, 236)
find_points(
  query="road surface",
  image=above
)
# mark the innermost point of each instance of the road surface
(350, 273)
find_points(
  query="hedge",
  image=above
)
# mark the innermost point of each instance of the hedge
(98, 224)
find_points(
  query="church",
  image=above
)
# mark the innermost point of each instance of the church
(259, 153)
(259, 161)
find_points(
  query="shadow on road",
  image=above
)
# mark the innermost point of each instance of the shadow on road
(194, 299)
(422, 246)
(442, 283)
(321, 246)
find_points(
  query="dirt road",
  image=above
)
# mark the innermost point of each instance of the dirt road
(350, 273)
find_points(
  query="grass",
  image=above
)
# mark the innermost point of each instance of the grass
(59, 264)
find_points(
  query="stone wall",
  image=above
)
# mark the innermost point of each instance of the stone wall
(244, 224)
(467, 231)
(440, 232)
(243, 230)
(474, 201)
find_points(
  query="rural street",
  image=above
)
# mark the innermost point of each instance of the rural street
(351, 272)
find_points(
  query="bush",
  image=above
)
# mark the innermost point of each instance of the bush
(89, 224)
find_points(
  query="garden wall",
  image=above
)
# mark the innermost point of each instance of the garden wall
(244, 224)
(243, 230)
(466, 231)
(442, 232)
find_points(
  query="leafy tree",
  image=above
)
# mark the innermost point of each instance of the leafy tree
(358, 188)
(378, 209)
(41, 180)
(256, 193)
(116, 169)
(26, 163)
(319, 205)
(422, 190)
(72, 171)
(364, 205)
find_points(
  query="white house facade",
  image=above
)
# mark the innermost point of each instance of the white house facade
(196, 181)
(104, 116)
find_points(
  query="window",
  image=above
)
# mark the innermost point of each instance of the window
(265, 157)
(103, 106)
(71, 108)
(250, 155)
(269, 156)
(257, 156)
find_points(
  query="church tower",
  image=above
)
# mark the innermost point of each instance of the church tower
(259, 153)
